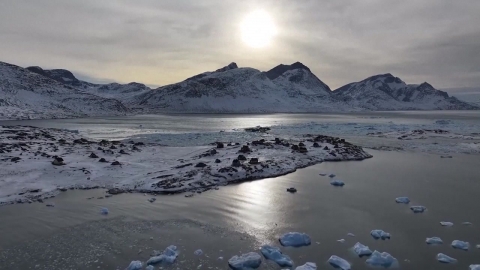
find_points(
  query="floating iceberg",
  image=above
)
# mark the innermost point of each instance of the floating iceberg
(418, 209)
(460, 245)
(274, 254)
(331, 175)
(198, 252)
(474, 266)
(434, 241)
(251, 260)
(381, 259)
(405, 200)
(341, 241)
(362, 250)
(310, 266)
(446, 223)
(379, 234)
(445, 259)
(104, 211)
(478, 246)
(337, 183)
(150, 267)
(168, 256)
(351, 234)
(135, 265)
(339, 263)
(467, 223)
(295, 239)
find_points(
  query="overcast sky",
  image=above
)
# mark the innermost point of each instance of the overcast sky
(158, 42)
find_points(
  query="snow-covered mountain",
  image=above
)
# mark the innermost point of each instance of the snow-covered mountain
(467, 94)
(285, 88)
(28, 95)
(387, 92)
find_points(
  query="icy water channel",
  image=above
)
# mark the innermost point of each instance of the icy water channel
(240, 218)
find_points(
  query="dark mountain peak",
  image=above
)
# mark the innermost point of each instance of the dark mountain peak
(62, 74)
(38, 70)
(386, 78)
(230, 66)
(280, 69)
(426, 86)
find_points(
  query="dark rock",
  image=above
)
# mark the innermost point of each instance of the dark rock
(15, 159)
(123, 152)
(201, 165)
(218, 160)
(326, 148)
(213, 152)
(116, 163)
(100, 149)
(241, 157)
(302, 150)
(316, 145)
(93, 155)
(63, 189)
(253, 161)
(103, 160)
(122, 145)
(245, 149)
(62, 141)
(257, 129)
(134, 148)
(220, 145)
(292, 190)
(113, 147)
(295, 147)
(139, 143)
(58, 161)
(236, 163)
(237, 143)
(115, 191)
(301, 144)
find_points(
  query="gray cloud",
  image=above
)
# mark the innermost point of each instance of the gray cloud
(161, 42)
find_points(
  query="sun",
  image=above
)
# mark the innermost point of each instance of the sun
(258, 29)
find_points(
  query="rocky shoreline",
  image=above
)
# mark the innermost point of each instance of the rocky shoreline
(38, 163)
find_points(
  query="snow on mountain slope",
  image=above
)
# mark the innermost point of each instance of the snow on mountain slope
(28, 95)
(466, 94)
(386, 92)
(62, 76)
(243, 90)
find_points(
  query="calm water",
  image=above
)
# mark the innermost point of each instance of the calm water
(240, 218)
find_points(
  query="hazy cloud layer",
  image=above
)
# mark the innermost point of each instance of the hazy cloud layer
(160, 42)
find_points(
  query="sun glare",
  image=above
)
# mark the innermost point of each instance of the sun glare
(258, 29)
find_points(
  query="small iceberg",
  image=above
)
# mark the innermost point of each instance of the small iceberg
(291, 189)
(446, 223)
(339, 263)
(104, 211)
(381, 259)
(310, 266)
(337, 183)
(135, 265)
(478, 246)
(474, 266)
(380, 234)
(418, 209)
(404, 200)
(467, 223)
(351, 234)
(332, 175)
(361, 250)
(295, 239)
(198, 252)
(341, 241)
(169, 255)
(322, 174)
(274, 254)
(434, 241)
(150, 267)
(445, 259)
(251, 260)
(460, 245)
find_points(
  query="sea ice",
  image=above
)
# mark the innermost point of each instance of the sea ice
(381, 259)
(104, 211)
(295, 239)
(168, 256)
(251, 260)
(198, 252)
(308, 266)
(351, 234)
(434, 241)
(379, 234)
(337, 183)
(135, 265)
(446, 223)
(339, 263)
(418, 209)
(150, 267)
(274, 254)
(474, 266)
(445, 259)
(405, 200)
(460, 245)
(362, 250)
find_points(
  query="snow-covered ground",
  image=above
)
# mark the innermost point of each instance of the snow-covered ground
(39, 163)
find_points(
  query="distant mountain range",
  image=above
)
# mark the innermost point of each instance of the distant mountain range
(33, 92)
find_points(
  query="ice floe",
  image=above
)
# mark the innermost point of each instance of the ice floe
(460, 245)
(135, 265)
(274, 254)
(467, 223)
(169, 255)
(361, 250)
(251, 260)
(150, 267)
(339, 263)
(308, 266)
(295, 239)
(478, 246)
(383, 259)
(104, 211)
(380, 234)
(331, 175)
(337, 183)
(351, 234)
(445, 258)
(446, 223)
(434, 241)
(418, 209)
(405, 200)
(474, 266)
(198, 252)
(341, 241)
